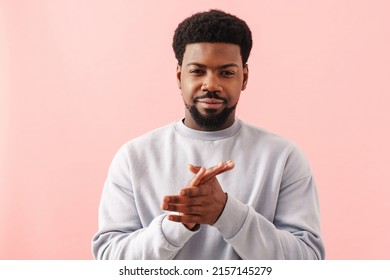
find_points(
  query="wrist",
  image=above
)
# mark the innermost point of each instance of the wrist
(223, 207)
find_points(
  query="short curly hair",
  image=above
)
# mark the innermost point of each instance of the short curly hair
(214, 26)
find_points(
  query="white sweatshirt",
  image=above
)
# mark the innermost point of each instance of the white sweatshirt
(272, 210)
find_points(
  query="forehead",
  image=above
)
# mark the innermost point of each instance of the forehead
(212, 54)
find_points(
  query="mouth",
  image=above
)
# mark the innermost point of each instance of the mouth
(210, 103)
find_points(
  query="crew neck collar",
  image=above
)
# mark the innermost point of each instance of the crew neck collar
(208, 135)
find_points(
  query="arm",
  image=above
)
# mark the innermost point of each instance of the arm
(121, 233)
(294, 233)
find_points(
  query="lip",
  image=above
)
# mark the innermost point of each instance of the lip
(210, 103)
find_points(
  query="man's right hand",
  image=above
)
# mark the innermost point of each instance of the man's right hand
(211, 171)
(203, 176)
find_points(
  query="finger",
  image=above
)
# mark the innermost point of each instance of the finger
(184, 209)
(196, 180)
(181, 199)
(185, 218)
(214, 170)
(193, 168)
(219, 169)
(228, 165)
(193, 191)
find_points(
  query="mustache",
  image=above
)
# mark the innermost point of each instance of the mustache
(211, 95)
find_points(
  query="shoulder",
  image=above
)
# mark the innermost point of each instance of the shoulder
(151, 137)
(266, 138)
(149, 141)
(134, 152)
(277, 147)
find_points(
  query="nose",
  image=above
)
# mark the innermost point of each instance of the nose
(211, 83)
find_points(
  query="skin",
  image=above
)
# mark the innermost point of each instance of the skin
(202, 200)
(214, 67)
(206, 67)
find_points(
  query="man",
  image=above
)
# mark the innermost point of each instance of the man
(259, 202)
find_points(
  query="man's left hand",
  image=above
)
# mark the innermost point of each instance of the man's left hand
(198, 204)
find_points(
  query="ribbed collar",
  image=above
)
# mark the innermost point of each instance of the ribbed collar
(208, 135)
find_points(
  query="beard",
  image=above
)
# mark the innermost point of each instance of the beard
(210, 121)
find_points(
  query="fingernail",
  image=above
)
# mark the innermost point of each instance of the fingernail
(182, 192)
(166, 199)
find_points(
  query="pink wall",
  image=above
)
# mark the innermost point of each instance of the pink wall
(80, 78)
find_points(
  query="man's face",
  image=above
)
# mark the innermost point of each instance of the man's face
(211, 79)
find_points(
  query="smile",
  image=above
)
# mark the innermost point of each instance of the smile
(210, 103)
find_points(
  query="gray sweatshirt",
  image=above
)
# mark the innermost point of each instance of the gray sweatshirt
(272, 211)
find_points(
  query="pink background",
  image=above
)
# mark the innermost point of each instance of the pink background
(80, 78)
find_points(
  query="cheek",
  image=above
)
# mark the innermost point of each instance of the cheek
(233, 100)
(234, 94)
(186, 93)
(189, 90)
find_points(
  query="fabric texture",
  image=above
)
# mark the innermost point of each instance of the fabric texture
(272, 211)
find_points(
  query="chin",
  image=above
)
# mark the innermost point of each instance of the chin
(210, 112)
(211, 119)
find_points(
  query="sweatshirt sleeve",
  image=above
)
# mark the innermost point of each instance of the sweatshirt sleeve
(121, 234)
(295, 231)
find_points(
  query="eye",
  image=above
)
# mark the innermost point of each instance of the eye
(228, 73)
(196, 72)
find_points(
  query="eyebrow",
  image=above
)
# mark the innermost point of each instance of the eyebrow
(218, 67)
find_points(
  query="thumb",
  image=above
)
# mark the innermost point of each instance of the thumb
(193, 168)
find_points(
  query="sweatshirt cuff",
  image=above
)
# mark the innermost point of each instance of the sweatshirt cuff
(176, 233)
(232, 218)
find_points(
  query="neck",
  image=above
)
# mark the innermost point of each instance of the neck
(191, 123)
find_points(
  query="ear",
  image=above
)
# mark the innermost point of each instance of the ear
(245, 74)
(178, 76)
